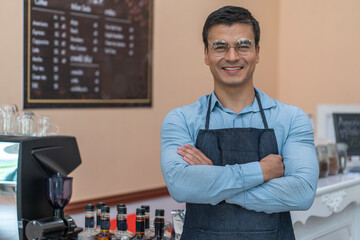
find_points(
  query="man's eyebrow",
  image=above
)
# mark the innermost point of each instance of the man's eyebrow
(244, 41)
(219, 42)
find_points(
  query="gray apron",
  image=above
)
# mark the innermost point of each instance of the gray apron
(229, 221)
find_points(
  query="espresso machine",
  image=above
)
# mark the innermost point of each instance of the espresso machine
(40, 186)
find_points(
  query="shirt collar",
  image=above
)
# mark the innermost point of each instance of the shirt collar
(266, 102)
(214, 102)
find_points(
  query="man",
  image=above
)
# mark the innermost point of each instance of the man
(239, 159)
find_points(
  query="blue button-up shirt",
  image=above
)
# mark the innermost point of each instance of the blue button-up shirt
(242, 184)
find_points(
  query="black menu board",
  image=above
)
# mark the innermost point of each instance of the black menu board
(87, 53)
(347, 130)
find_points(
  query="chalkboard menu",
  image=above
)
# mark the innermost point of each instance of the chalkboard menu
(347, 130)
(87, 53)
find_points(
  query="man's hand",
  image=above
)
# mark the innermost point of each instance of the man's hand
(272, 167)
(193, 156)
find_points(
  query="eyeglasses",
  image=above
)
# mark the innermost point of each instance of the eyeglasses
(242, 46)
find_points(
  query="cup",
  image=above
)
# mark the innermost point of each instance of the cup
(27, 124)
(9, 115)
(46, 127)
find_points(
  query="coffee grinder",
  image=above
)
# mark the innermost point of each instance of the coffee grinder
(43, 187)
(59, 190)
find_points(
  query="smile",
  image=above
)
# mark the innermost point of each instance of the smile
(232, 68)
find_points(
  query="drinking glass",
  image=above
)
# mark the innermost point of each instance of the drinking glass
(9, 114)
(27, 124)
(46, 127)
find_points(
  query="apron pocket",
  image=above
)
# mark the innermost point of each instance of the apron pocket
(202, 234)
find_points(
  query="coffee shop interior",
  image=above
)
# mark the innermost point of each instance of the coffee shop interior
(309, 57)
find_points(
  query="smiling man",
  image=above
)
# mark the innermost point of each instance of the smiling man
(238, 158)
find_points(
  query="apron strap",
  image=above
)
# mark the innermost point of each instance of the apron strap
(208, 114)
(260, 107)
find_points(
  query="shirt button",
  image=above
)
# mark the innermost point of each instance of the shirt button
(237, 117)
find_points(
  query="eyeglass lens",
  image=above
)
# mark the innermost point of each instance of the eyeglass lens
(220, 47)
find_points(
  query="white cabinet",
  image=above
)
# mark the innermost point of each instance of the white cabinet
(335, 213)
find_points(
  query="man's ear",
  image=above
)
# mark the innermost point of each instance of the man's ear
(258, 54)
(206, 56)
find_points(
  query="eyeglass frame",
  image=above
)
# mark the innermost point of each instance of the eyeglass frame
(236, 46)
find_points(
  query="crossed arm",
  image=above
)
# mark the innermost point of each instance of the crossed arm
(275, 184)
(272, 165)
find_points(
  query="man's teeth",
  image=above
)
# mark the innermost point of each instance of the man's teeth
(233, 68)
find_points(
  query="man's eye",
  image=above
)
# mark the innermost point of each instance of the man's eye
(243, 47)
(220, 47)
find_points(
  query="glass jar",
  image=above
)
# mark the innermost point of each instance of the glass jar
(322, 155)
(342, 155)
(333, 159)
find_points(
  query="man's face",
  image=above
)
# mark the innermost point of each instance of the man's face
(232, 67)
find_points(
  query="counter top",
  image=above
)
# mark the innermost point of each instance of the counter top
(333, 194)
(335, 182)
(335, 213)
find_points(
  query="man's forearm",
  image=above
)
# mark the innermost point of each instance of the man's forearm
(209, 184)
(277, 195)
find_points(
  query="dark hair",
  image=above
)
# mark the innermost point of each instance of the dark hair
(229, 15)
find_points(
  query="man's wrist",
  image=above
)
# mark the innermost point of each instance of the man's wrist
(266, 176)
(252, 174)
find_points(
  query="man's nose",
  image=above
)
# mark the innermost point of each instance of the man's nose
(232, 55)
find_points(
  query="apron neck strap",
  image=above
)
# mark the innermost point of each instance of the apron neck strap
(208, 114)
(260, 107)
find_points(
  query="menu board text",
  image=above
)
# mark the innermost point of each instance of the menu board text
(87, 53)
